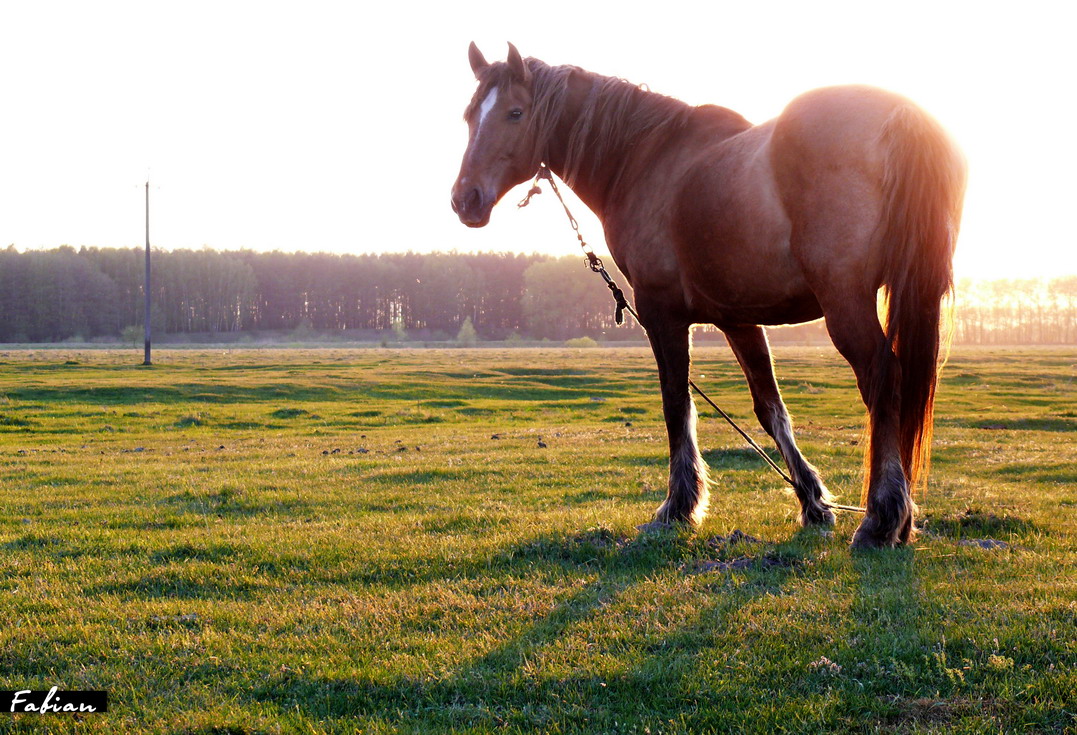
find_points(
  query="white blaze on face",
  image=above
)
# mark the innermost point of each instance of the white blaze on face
(484, 111)
(487, 105)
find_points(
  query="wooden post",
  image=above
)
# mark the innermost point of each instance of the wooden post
(147, 361)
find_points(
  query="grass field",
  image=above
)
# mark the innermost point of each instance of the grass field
(242, 541)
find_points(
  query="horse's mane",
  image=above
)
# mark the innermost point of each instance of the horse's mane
(614, 113)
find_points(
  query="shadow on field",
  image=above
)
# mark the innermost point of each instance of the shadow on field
(591, 392)
(887, 643)
(1043, 423)
(188, 581)
(888, 599)
(977, 523)
(717, 459)
(500, 687)
(180, 393)
(736, 459)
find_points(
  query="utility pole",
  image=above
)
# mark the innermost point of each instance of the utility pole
(147, 361)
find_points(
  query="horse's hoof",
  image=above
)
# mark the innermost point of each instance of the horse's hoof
(868, 536)
(817, 517)
(863, 541)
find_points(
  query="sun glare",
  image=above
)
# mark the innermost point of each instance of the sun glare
(298, 137)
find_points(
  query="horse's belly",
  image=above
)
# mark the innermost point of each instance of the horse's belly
(734, 306)
(738, 268)
(732, 238)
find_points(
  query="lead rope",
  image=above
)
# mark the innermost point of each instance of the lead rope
(595, 264)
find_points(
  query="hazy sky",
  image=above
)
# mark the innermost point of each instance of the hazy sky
(337, 126)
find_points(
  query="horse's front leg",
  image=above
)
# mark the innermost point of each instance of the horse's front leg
(686, 500)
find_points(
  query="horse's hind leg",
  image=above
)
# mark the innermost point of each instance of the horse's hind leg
(854, 326)
(686, 501)
(753, 353)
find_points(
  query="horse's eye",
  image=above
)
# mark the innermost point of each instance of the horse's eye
(516, 114)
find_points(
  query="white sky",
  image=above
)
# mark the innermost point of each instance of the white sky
(337, 126)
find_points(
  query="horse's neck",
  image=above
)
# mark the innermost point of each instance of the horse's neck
(556, 153)
(596, 169)
(607, 136)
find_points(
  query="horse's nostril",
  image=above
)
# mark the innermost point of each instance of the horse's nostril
(468, 202)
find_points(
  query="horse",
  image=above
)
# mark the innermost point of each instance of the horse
(714, 220)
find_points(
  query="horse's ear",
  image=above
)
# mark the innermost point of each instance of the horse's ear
(478, 61)
(519, 69)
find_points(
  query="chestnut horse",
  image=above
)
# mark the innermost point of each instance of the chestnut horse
(715, 220)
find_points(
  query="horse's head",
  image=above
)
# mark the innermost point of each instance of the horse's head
(501, 148)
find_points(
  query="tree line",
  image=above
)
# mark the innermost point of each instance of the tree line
(1016, 311)
(96, 293)
(91, 293)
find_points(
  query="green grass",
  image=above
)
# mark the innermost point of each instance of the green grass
(244, 541)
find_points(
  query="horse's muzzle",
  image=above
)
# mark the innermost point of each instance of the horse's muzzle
(472, 207)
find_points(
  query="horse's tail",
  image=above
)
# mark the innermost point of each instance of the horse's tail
(924, 187)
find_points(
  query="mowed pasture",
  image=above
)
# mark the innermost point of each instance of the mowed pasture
(376, 541)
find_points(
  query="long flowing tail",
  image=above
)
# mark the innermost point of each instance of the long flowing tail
(924, 189)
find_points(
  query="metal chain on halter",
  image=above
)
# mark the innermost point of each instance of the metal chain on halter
(595, 264)
(593, 261)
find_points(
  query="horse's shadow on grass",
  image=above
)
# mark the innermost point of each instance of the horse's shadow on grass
(886, 639)
(496, 689)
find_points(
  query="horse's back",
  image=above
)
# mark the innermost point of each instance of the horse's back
(803, 194)
(747, 190)
(835, 126)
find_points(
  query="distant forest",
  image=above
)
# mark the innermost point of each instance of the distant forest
(95, 294)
